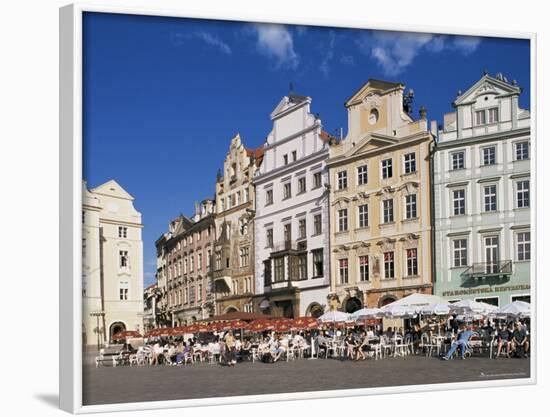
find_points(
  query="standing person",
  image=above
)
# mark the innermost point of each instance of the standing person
(461, 343)
(230, 348)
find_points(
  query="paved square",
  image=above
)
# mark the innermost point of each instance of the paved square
(107, 385)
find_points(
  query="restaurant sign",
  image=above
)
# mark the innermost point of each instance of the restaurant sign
(473, 291)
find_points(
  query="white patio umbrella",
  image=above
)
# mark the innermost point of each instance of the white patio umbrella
(516, 309)
(437, 309)
(398, 311)
(471, 307)
(367, 313)
(334, 317)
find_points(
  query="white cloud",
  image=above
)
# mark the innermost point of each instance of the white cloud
(276, 42)
(213, 40)
(325, 64)
(395, 51)
(347, 60)
(179, 39)
(466, 44)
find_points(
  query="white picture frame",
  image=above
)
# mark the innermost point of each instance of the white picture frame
(70, 44)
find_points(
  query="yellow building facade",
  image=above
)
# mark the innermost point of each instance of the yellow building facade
(380, 232)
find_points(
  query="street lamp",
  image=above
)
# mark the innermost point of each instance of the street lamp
(97, 315)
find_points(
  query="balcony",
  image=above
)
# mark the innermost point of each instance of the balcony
(289, 245)
(487, 273)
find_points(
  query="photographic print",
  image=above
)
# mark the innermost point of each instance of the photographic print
(276, 209)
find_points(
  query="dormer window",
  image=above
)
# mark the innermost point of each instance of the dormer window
(489, 116)
(285, 159)
(493, 115)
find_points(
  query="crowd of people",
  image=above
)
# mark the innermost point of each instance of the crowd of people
(230, 347)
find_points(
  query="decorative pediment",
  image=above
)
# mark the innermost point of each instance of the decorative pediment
(372, 100)
(341, 202)
(385, 191)
(386, 244)
(371, 142)
(487, 85)
(410, 187)
(411, 237)
(370, 88)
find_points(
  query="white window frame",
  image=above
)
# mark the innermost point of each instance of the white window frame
(362, 175)
(409, 164)
(463, 260)
(363, 215)
(525, 244)
(342, 179)
(492, 196)
(524, 193)
(516, 149)
(343, 220)
(455, 200)
(411, 207)
(486, 158)
(462, 160)
(388, 215)
(387, 168)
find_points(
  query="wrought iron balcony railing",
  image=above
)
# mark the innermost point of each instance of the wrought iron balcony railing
(482, 270)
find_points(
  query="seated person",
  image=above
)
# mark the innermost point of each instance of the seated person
(362, 347)
(461, 343)
(321, 342)
(351, 346)
(246, 347)
(276, 349)
(520, 344)
(504, 339)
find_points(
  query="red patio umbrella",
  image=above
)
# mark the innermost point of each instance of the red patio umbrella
(282, 326)
(159, 331)
(304, 323)
(126, 334)
(197, 328)
(260, 325)
(238, 324)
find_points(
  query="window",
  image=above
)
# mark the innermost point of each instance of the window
(457, 159)
(363, 214)
(267, 273)
(460, 252)
(342, 180)
(362, 175)
(342, 220)
(489, 156)
(387, 168)
(343, 271)
(83, 216)
(299, 266)
(238, 197)
(285, 159)
(217, 261)
(410, 206)
(301, 185)
(123, 258)
(223, 203)
(83, 248)
(122, 232)
(480, 117)
(123, 289)
(388, 210)
(363, 268)
(493, 115)
(490, 198)
(287, 233)
(192, 257)
(268, 197)
(522, 151)
(459, 202)
(199, 293)
(192, 294)
(317, 180)
(287, 191)
(269, 238)
(302, 228)
(522, 194)
(244, 256)
(294, 156)
(317, 226)
(524, 246)
(235, 286)
(199, 261)
(317, 262)
(389, 265)
(412, 262)
(279, 269)
(185, 265)
(410, 163)
(186, 296)
(208, 257)
(246, 194)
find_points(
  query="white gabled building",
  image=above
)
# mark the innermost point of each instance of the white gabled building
(112, 263)
(482, 185)
(291, 222)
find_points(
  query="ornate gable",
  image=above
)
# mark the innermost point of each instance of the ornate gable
(369, 143)
(485, 86)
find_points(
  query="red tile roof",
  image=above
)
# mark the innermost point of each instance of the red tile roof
(257, 154)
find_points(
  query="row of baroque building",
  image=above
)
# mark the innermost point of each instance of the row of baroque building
(310, 222)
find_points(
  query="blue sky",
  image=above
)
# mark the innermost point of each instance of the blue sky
(163, 96)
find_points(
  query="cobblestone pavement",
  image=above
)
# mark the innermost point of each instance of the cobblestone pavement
(107, 385)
